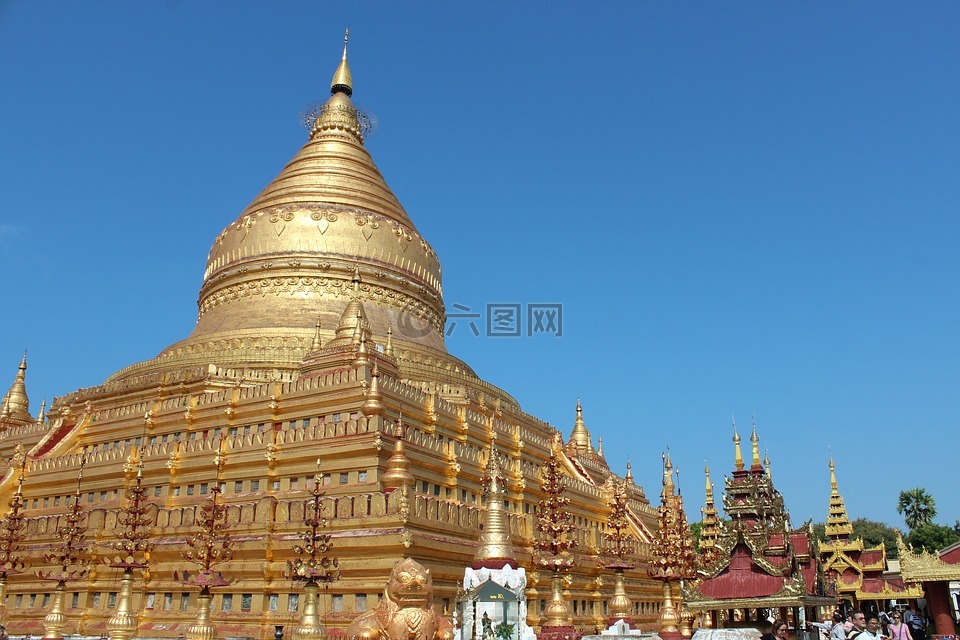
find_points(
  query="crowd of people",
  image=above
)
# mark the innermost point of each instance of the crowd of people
(898, 624)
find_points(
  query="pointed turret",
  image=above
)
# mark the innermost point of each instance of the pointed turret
(755, 449)
(629, 476)
(599, 446)
(495, 549)
(397, 473)
(15, 410)
(580, 437)
(317, 342)
(342, 79)
(42, 416)
(668, 486)
(709, 532)
(373, 405)
(766, 464)
(737, 455)
(838, 522)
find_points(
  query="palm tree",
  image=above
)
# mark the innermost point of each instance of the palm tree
(917, 506)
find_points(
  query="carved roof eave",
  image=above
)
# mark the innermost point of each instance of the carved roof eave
(924, 566)
(911, 591)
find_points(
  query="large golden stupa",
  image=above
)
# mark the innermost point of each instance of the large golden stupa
(319, 334)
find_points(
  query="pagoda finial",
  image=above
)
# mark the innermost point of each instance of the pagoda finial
(317, 343)
(766, 463)
(737, 455)
(706, 472)
(16, 404)
(342, 79)
(668, 486)
(388, 349)
(580, 437)
(42, 416)
(629, 476)
(599, 446)
(373, 405)
(755, 445)
(398, 466)
(495, 549)
(833, 476)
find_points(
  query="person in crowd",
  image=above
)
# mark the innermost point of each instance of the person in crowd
(898, 629)
(870, 632)
(858, 623)
(918, 625)
(779, 630)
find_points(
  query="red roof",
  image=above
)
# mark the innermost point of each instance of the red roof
(741, 579)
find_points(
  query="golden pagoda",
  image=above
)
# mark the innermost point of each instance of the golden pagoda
(320, 323)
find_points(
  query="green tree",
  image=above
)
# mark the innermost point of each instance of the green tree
(932, 537)
(820, 531)
(917, 507)
(695, 529)
(873, 533)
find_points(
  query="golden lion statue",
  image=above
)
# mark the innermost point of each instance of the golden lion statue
(406, 610)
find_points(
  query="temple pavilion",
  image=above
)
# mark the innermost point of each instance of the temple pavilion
(754, 564)
(319, 334)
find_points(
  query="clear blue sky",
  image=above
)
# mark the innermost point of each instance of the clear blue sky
(742, 207)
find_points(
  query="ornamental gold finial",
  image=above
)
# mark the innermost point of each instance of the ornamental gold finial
(755, 444)
(317, 342)
(667, 474)
(766, 463)
(833, 476)
(706, 472)
(580, 437)
(495, 549)
(388, 350)
(737, 455)
(342, 80)
(42, 416)
(629, 476)
(16, 404)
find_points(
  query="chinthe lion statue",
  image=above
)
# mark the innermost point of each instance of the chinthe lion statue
(406, 611)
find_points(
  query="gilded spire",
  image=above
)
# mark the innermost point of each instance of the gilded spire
(373, 405)
(342, 80)
(766, 464)
(755, 446)
(629, 476)
(397, 473)
(599, 446)
(737, 455)
(16, 406)
(388, 350)
(580, 437)
(317, 342)
(668, 486)
(42, 416)
(710, 532)
(838, 522)
(495, 549)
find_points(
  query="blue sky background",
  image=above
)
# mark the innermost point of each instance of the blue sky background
(742, 207)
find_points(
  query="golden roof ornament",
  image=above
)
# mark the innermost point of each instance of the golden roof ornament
(16, 405)
(397, 473)
(342, 79)
(373, 404)
(755, 446)
(495, 550)
(629, 475)
(737, 456)
(317, 342)
(42, 416)
(838, 526)
(388, 350)
(580, 436)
